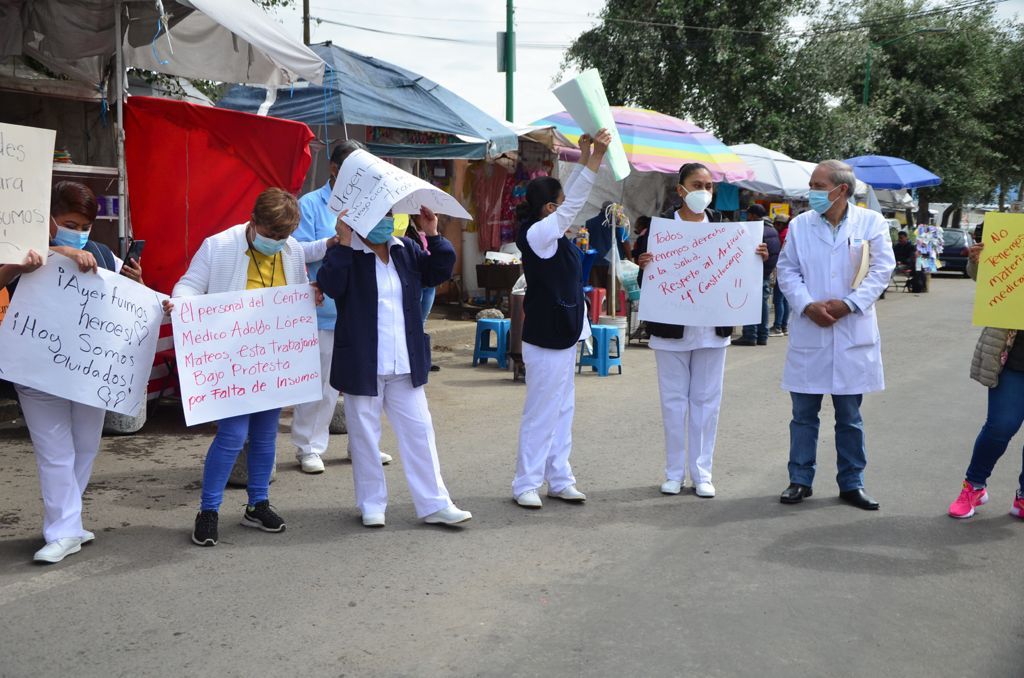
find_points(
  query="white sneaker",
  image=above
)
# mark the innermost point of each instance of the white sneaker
(87, 536)
(452, 515)
(385, 459)
(373, 520)
(529, 499)
(55, 551)
(311, 463)
(671, 487)
(706, 490)
(568, 494)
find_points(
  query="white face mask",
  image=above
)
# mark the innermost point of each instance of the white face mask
(698, 201)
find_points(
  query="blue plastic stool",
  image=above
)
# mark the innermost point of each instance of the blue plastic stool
(601, 359)
(483, 350)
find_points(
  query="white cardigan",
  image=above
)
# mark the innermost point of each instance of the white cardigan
(222, 265)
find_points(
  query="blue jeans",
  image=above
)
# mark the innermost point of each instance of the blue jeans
(261, 430)
(1005, 415)
(781, 308)
(426, 302)
(760, 332)
(803, 440)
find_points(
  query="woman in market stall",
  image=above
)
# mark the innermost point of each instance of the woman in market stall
(691, 360)
(382, 358)
(555, 321)
(65, 434)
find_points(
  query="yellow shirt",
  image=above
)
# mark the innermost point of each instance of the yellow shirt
(264, 271)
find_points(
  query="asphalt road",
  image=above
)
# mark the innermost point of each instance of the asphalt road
(631, 584)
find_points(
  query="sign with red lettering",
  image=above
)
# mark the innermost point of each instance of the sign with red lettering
(244, 352)
(703, 274)
(999, 296)
(87, 337)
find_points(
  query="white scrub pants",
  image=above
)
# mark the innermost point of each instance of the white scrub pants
(690, 383)
(66, 437)
(545, 434)
(409, 416)
(311, 421)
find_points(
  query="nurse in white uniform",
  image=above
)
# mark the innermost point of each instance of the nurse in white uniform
(834, 345)
(555, 320)
(691, 360)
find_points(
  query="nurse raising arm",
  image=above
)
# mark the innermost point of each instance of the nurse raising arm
(332, 278)
(9, 272)
(437, 263)
(543, 236)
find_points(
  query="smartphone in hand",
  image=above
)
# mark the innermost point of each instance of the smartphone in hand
(135, 250)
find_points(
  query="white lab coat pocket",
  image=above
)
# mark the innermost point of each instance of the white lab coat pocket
(804, 333)
(862, 329)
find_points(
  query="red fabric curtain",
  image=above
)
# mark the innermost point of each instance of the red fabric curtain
(195, 170)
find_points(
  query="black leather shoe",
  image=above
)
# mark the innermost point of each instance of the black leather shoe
(744, 342)
(795, 493)
(860, 499)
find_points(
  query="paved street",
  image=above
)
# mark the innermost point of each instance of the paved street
(631, 584)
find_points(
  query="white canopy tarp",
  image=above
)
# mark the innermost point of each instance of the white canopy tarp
(223, 40)
(774, 173)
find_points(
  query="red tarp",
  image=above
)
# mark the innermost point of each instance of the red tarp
(196, 170)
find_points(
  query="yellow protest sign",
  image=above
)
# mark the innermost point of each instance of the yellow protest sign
(999, 297)
(777, 208)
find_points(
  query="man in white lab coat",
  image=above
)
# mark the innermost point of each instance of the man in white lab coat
(832, 284)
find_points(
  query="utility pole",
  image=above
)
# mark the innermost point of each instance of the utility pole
(510, 58)
(305, 22)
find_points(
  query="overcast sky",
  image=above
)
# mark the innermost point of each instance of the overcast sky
(470, 70)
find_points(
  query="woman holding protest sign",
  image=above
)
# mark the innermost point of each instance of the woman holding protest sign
(65, 434)
(691, 360)
(555, 322)
(998, 363)
(382, 357)
(255, 255)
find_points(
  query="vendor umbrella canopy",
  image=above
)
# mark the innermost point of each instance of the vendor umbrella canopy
(223, 40)
(774, 173)
(363, 90)
(656, 142)
(883, 171)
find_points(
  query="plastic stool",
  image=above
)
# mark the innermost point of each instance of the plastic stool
(483, 350)
(601, 359)
(596, 295)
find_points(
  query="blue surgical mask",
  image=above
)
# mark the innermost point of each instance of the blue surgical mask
(69, 237)
(819, 201)
(267, 246)
(382, 232)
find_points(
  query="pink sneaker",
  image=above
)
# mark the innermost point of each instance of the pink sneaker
(970, 499)
(1018, 507)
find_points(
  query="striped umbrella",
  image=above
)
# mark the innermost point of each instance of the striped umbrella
(656, 142)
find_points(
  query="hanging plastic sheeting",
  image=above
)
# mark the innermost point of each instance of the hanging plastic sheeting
(222, 40)
(363, 90)
(218, 162)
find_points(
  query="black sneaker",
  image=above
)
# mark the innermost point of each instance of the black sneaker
(205, 532)
(262, 517)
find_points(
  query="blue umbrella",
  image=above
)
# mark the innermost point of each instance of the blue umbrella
(883, 171)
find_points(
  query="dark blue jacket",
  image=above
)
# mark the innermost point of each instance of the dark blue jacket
(350, 278)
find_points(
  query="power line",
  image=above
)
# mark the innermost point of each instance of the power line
(437, 38)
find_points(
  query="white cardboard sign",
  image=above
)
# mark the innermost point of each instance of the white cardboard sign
(585, 100)
(245, 352)
(26, 166)
(703, 274)
(87, 337)
(369, 187)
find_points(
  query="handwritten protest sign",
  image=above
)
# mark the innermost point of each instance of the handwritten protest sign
(244, 352)
(999, 296)
(26, 165)
(703, 274)
(87, 337)
(368, 187)
(584, 99)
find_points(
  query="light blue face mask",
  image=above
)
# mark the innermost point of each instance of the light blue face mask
(819, 201)
(69, 237)
(382, 232)
(267, 246)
